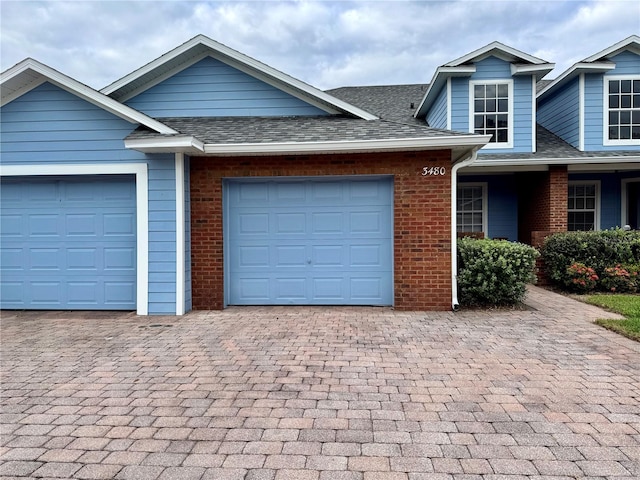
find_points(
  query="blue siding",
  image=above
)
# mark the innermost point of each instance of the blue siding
(502, 204)
(493, 68)
(437, 114)
(560, 113)
(49, 125)
(489, 69)
(460, 104)
(627, 63)
(211, 88)
(610, 195)
(162, 235)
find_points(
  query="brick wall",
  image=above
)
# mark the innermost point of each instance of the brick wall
(422, 218)
(542, 202)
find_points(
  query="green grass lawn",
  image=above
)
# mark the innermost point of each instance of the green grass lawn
(627, 305)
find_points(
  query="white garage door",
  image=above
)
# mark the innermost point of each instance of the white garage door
(309, 241)
(68, 243)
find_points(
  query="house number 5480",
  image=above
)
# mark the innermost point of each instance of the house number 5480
(433, 171)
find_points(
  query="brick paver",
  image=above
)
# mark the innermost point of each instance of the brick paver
(320, 393)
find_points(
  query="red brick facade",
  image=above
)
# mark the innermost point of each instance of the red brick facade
(422, 218)
(543, 208)
(542, 201)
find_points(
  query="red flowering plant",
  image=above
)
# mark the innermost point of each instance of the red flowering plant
(620, 279)
(581, 278)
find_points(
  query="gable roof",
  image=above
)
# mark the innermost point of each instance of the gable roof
(598, 62)
(202, 46)
(28, 74)
(496, 49)
(521, 64)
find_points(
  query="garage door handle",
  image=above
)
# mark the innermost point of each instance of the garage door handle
(309, 262)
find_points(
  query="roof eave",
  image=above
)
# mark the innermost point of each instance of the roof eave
(248, 65)
(175, 144)
(539, 71)
(493, 48)
(575, 70)
(437, 82)
(631, 42)
(457, 143)
(39, 73)
(532, 162)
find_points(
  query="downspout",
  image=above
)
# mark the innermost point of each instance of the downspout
(454, 232)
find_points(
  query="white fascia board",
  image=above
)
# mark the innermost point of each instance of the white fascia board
(630, 162)
(575, 70)
(538, 71)
(248, 65)
(83, 91)
(492, 48)
(632, 42)
(183, 144)
(440, 79)
(348, 146)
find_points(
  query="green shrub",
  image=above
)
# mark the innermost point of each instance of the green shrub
(494, 272)
(620, 279)
(580, 278)
(596, 250)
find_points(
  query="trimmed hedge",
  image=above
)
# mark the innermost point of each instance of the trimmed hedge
(494, 272)
(612, 255)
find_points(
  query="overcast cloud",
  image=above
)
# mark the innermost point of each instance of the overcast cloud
(325, 43)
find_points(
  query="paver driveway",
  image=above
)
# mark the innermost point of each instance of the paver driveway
(320, 393)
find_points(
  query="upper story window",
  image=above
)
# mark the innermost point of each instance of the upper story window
(492, 111)
(622, 115)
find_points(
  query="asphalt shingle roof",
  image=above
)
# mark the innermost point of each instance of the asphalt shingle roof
(238, 130)
(394, 104)
(394, 101)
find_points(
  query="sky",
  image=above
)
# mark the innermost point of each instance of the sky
(326, 43)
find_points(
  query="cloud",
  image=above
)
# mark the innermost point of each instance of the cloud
(325, 43)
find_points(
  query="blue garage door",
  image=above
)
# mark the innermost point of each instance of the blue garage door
(309, 241)
(68, 243)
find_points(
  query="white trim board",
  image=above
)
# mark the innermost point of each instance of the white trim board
(605, 112)
(142, 208)
(180, 235)
(624, 198)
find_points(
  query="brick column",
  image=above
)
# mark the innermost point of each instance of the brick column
(542, 203)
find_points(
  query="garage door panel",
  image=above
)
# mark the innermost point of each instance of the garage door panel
(119, 259)
(46, 259)
(44, 225)
(327, 223)
(309, 242)
(82, 259)
(287, 256)
(81, 225)
(290, 223)
(290, 289)
(76, 250)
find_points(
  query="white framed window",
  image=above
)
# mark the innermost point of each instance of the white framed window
(583, 206)
(622, 110)
(471, 207)
(491, 111)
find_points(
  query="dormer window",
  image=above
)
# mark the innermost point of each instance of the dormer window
(491, 111)
(622, 117)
